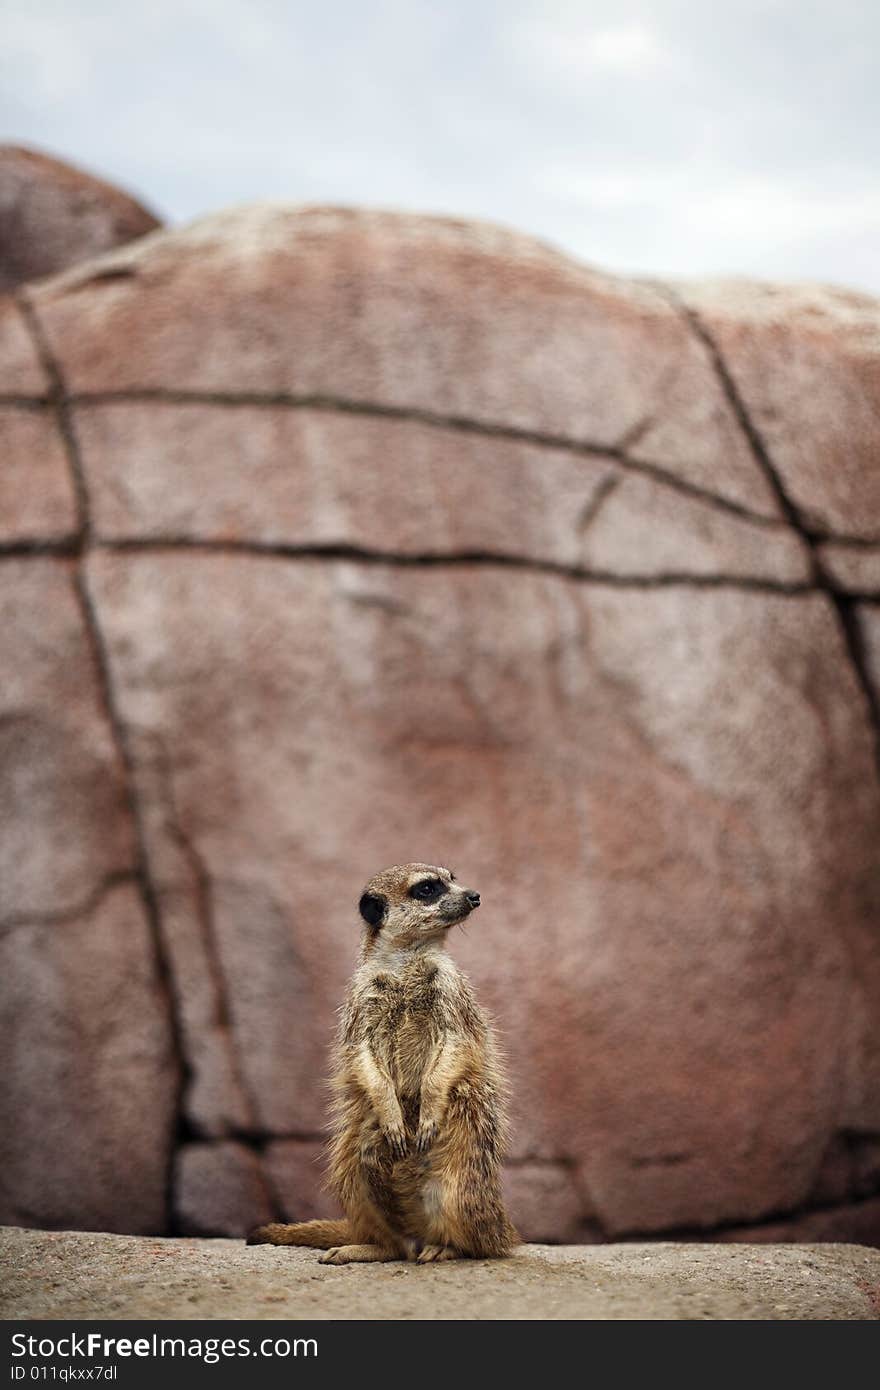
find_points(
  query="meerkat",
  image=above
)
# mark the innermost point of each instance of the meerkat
(419, 1124)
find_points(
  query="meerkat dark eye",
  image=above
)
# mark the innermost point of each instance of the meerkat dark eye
(428, 890)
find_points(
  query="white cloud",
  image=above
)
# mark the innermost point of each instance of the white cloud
(626, 48)
(568, 43)
(757, 212)
(42, 60)
(718, 203)
(701, 218)
(605, 188)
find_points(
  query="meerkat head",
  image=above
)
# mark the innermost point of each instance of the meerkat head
(413, 903)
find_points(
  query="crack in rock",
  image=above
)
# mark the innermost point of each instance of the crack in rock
(636, 433)
(84, 908)
(68, 547)
(354, 554)
(204, 913)
(663, 1160)
(38, 404)
(104, 275)
(742, 1226)
(259, 1139)
(57, 400)
(606, 486)
(451, 559)
(823, 537)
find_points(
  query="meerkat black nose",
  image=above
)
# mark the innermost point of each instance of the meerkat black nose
(473, 898)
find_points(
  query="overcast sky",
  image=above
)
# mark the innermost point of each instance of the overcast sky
(671, 136)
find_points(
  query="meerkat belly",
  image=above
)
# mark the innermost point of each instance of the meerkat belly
(417, 1039)
(413, 1046)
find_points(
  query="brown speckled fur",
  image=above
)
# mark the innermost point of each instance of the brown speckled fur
(419, 1121)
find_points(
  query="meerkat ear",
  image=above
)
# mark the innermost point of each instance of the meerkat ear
(372, 908)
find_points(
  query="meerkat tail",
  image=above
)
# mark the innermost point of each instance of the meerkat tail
(318, 1235)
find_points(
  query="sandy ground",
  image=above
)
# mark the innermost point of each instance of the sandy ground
(72, 1274)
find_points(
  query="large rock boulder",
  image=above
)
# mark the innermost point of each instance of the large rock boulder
(53, 215)
(364, 538)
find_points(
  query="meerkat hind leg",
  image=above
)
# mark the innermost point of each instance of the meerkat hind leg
(431, 1254)
(358, 1255)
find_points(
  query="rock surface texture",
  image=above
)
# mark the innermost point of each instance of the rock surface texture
(72, 1275)
(53, 215)
(338, 539)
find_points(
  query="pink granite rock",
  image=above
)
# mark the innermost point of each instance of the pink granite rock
(408, 539)
(64, 819)
(37, 499)
(220, 1190)
(295, 1169)
(87, 1066)
(547, 1202)
(855, 569)
(87, 1071)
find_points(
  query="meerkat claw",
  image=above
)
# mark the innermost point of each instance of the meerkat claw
(427, 1133)
(397, 1145)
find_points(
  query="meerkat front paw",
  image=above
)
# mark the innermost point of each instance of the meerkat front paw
(434, 1253)
(425, 1135)
(396, 1140)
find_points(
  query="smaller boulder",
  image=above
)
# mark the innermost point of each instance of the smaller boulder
(53, 215)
